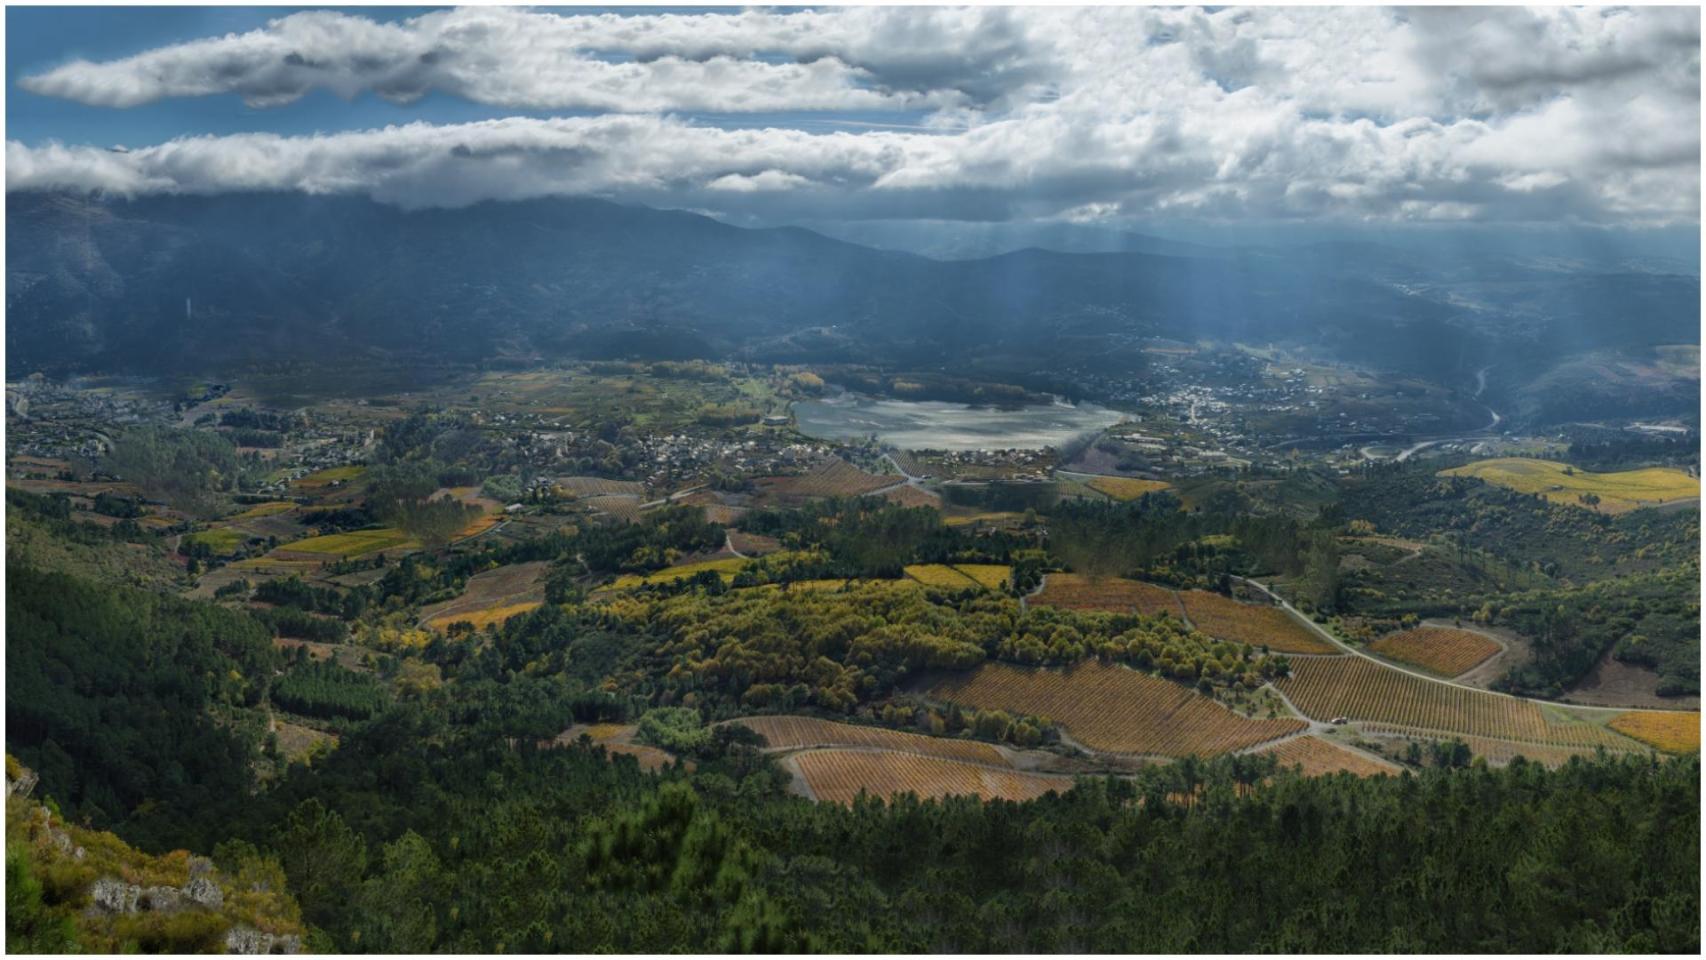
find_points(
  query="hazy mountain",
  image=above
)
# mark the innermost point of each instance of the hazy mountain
(196, 282)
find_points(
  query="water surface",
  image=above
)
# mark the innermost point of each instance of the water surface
(937, 425)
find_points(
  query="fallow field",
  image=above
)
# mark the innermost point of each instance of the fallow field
(1114, 709)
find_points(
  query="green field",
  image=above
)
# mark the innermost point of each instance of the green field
(356, 543)
(260, 510)
(1561, 483)
(221, 540)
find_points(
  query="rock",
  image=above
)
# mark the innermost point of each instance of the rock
(200, 866)
(203, 892)
(114, 896)
(160, 899)
(252, 941)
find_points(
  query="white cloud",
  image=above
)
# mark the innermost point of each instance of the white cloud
(1105, 112)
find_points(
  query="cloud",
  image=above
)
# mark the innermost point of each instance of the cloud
(1353, 113)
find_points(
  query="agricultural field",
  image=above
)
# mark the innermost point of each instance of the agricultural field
(1125, 488)
(911, 495)
(323, 479)
(751, 544)
(1255, 624)
(1114, 709)
(838, 776)
(1360, 689)
(941, 575)
(1497, 752)
(576, 488)
(223, 541)
(617, 738)
(503, 589)
(1440, 650)
(1075, 591)
(620, 506)
(726, 567)
(788, 733)
(1670, 731)
(1559, 482)
(993, 576)
(342, 546)
(1320, 757)
(834, 477)
(261, 510)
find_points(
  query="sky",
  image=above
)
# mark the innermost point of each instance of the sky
(983, 115)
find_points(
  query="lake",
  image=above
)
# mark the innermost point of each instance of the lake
(936, 425)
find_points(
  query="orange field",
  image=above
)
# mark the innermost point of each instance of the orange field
(1670, 731)
(1074, 591)
(1227, 619)
(1318, 757)
(837, 776)
(796, 733)
(1442, 650)
(1114, 709)
(1361, 689)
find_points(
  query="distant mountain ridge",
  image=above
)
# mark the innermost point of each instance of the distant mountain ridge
(169, 284)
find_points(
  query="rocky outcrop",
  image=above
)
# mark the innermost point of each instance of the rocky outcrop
(249, 940)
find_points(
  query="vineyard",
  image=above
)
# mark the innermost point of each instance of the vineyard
(797, 733)
(908, 495)
(837, 776)
(480, 619)
(725, 567)
(1073, 591)
(1125, 488)
(1361, 689)
(1497, 752)
(992, 576)
(1442, 650)
(1318, 757)
(501, 589)
(941, 575)
(621, 507)
(340, 546)
(1672, 732)
(1113, 709)
(575, 488)
(1226, 619)
(833, 478)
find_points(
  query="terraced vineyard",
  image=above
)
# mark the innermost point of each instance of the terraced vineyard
(1114, 709)
(833, 478)
(1254, 624)
(1125, 488)
(1074, 591)
(837, 776)
(797, 733)
(1361, 689)
(1498, 752)
(1442, 650)
(578, 487)
(1318, 757)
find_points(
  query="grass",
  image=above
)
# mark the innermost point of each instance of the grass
(725, 568)
(1561, 483)
(355, 543)
(1125, 488)
(1671, 732)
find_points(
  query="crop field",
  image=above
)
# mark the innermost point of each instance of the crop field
(1318, 757)
(837, 776)
(1254, 624)
(355, 543)
(832, 478)
(1113, 709)
(505, 587)
(941, 575)
(752, 544)
(787, 733)
(321, 479)
(223, 541)
(478, 525)
(993, 576)
(1125, 488)
(484, 617)
(1617, 492)
(620, 506)
(575, 488)
(1670, 731)
(1074, 591)
(1442, 650)
(726, 567)
(1497, 752)
(1361, 689)
(908, 495)
(260, 510)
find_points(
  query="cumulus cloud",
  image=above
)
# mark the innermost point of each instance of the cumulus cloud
(1076, 113)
